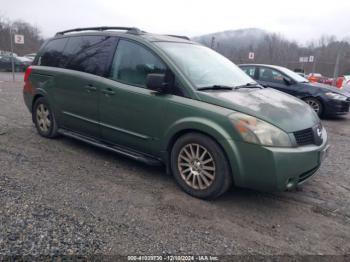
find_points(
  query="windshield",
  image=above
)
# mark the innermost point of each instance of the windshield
(203, 66)
(293, 75)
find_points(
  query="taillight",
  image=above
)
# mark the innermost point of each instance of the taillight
(27, 73)
(27, 88)
(339, 82)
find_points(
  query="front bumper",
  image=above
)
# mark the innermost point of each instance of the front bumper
(277, 169)
(336, 107)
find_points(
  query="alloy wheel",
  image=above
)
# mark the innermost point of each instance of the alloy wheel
(196, 166)
(315, 105)
(43, 118)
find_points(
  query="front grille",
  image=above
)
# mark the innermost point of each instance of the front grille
(304, 137)
(344, 108)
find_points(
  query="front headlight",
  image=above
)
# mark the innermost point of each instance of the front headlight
(256, 131)
(336, 96)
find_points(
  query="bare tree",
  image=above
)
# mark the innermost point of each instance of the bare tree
(32, 36)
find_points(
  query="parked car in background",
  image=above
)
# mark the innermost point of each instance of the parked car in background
(319, 78)
(325, 100)
(315, 77)
(167, 100)
(20, 63)
(302, 74)
(343, 81)
(25, 60)
(30, 56)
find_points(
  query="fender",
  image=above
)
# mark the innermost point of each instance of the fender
(210, 128)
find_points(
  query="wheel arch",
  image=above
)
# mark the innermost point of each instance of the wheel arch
(318, 98)
(35, 98)
(211, 130)
(39, 92)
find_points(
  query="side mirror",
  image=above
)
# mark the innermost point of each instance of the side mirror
(287, 81)
(156, 82)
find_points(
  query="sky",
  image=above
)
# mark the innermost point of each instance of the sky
(298, 20)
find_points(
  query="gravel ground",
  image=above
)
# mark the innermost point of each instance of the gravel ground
(62, 197)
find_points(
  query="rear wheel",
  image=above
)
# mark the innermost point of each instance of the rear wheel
(200, 167)
(44, 120)
(315, 104)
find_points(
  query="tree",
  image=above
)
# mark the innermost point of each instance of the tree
(32, 37)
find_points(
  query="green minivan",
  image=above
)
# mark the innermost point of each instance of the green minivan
(165, 100)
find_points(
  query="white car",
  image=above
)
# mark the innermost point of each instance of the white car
(30, 56)
(346, 82)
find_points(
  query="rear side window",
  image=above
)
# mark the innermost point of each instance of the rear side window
(90, 54)
(133, 62)
(53, 53)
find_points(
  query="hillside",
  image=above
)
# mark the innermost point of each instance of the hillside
(241, 37)
(272, 48)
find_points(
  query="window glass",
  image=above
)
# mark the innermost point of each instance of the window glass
(52, 55)
(132, 63)
(203, 66)
(5, 59)
(270, 75)
(249, 71)
(90, 54)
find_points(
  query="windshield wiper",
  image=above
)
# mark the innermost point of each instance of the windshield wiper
(249, 85)
(215, 87)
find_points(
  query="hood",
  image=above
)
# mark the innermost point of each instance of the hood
(328, 88)
(282, 110)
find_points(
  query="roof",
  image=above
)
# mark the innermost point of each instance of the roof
(265, 65)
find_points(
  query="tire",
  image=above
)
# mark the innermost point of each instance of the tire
(44, 119)
(208, 173)
(315, 104)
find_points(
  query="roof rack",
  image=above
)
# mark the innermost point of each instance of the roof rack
(180, 36)
(130, 30)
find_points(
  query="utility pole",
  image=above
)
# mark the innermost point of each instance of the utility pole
(336, 69)
(12, 58)
(314, 65)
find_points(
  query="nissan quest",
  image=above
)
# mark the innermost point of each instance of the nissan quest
(166, 100)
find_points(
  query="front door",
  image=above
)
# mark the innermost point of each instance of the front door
(130, 114)
(272, 78)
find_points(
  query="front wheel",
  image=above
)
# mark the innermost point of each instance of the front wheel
(315, 104)
(200, 167)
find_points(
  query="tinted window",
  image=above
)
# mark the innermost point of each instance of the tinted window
(270, 75)
(132, 62)
(90, 54)
(249, 71)
(52, 54)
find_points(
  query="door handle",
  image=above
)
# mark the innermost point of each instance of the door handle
(108, 91)
(89, 88)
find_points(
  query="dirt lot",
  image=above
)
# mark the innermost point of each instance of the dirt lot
(65, 197)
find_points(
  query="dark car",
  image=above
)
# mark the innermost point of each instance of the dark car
(324, 99)
(20, 65)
